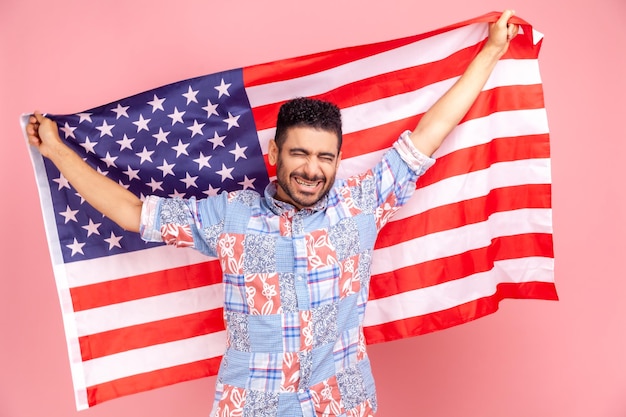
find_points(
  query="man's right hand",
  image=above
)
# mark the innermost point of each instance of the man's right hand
(105, 195)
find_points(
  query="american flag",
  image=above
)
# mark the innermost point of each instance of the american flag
(139, 316)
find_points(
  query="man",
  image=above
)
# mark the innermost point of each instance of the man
(296, 260)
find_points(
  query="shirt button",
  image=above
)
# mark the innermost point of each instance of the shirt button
(301, 391)
(299, 277)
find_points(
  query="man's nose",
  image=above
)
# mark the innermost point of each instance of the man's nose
(312, 168)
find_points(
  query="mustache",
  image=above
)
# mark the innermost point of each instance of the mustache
(307, 178)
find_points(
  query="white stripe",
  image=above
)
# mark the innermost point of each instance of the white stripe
(471, 133)
(155, 357)
(502, 124)
(418, 53)
(149, 309)
(453, 293)
(402, 106)
(476, 184)
(145, 261)
(462, 239)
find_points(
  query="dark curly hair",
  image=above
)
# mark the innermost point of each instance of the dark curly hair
(308, 112)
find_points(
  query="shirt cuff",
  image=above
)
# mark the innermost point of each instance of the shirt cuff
(416, 160)
(148, 229)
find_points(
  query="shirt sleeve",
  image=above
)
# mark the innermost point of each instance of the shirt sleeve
(391, 183)
(183, 222)
(416, 160)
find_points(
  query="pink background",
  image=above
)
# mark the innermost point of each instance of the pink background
(532, 358)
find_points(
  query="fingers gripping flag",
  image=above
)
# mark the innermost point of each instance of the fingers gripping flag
(139, 316)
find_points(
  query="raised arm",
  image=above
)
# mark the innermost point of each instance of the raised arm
(448, 111)
(105, 195)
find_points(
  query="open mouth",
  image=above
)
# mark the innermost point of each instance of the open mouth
(307, 184)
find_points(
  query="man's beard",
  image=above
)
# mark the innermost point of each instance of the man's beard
(302, 199)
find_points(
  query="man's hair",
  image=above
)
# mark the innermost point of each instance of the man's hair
(308, 112)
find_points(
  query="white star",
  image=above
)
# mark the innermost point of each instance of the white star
(125, 142)
(120, 111)
(225, 172)
(203, 161)
(232, 121)
(196, 129)
(156, 103)
(113, 241)
(212, 191)
(167, 168)
(155, 185)
(217, 140)
(76, 247)
(190, 95)
(123, 185)
(88, 145)
(105, 129)
(68, 130)
(142, 123)
(105, 173)
(132, 173)
(189, 180)
(223, 89)
(161, 136)
(177, 116)
(239, 152)
(145, 155)
(69, 214)
(109, 160)
(82, 200)
(247, 183)
(176, 194)
(92, 228)
(62, 181)
(210, 109)
(84, 116)
(181, 148)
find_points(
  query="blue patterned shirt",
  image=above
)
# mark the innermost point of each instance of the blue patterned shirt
(296, 285)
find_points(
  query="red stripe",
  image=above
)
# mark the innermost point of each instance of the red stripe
(151, 380)
(483, 156)
(287, 69)
(499, 99)
(153, 333)
(146, 285)
(380, 86)
(451, 216)
(458, 266)
(463, 313)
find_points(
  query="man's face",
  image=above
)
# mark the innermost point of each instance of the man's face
(306, 165)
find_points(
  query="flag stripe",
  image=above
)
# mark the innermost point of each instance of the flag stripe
(451, 293)
(151, 358)
(146, 285)
(98, 345)
(428, 323)
(461, 239)
(117, 266)
(460, 265)
(160, 307)
(470, 211)
(99, 393)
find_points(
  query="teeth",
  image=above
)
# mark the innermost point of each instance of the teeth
(307, 184)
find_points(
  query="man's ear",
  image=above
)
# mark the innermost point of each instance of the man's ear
(272, 152)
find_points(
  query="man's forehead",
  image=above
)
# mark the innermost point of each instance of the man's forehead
(311, 138)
